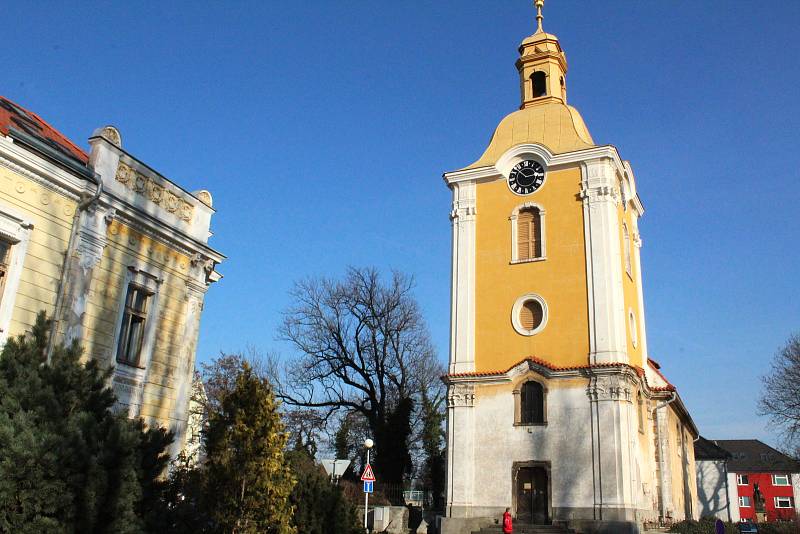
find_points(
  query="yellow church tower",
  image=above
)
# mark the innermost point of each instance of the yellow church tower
(554, 407)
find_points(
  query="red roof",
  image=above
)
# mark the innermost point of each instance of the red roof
(15, 116)
(639, 371)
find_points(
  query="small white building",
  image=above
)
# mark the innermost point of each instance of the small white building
(713, 491)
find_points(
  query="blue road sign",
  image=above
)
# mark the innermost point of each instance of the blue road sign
(368, 486)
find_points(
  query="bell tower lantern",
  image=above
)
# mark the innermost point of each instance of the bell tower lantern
(542, 66)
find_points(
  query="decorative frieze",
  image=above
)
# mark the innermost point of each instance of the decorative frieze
(461, 395)
(609, 388)
(154, 192)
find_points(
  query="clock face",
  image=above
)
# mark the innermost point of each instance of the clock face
(526, 177)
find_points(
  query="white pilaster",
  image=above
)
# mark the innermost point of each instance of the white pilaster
(607, 339)
(460, 449)
(664, 461)
(91, 241)
(462, 307)
(637, 241)
(613, 457)
(196, 288)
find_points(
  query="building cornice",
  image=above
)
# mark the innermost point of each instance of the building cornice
(551, 161)
(548, 370)
(21, 160)
(150, 226)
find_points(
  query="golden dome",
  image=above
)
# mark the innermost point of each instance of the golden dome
(557, 126)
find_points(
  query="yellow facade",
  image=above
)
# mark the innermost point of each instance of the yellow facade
(82, 231)
(630, 287)
(560, 278)
(50, 213)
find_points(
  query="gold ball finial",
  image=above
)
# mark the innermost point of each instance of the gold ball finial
(539, 5)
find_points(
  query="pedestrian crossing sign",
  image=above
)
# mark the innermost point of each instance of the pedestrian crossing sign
(368, 476)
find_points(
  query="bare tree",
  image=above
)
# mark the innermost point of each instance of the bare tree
(780, 398)
(362, 347)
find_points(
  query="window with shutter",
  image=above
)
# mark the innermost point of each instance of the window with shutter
(532, 403)
(531, 314)
(529, 238)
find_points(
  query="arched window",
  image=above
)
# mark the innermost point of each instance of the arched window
(531, 403)
(627, 243)
(529, 234)
(539, 83)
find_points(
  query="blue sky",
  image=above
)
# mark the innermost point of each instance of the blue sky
(322, 130)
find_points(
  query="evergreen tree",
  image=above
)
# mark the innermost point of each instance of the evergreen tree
(392, 459)
(432, 439)
(248, 480)
(67, 463)
(340, 440)
(320, 507)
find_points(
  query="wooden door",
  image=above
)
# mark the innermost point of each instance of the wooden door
(532, 496)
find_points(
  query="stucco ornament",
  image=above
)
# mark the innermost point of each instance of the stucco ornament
(154, 192)
(609, 388)
(111, 134)
(461, 395)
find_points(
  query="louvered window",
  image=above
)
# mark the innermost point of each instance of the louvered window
(529, 234)
(531, 314)
(532, 403)
(131, 335)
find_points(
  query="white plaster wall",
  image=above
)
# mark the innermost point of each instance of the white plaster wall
(564, 441)
(734, 489)
(712, 496)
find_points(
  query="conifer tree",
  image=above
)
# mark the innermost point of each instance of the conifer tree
(433, 472)
(320, 506)
(248, 479)
(67, 462)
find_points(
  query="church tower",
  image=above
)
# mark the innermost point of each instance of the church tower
(555, 408)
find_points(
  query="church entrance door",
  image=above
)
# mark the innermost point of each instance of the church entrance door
(532, 491)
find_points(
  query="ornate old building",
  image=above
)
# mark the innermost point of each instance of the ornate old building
(556, 408)
(114, 252)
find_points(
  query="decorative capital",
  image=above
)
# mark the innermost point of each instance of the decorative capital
(609, 388)
(603, 193)
(463, 210)
(461, 395)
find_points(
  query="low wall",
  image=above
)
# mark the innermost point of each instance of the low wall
(389, 519)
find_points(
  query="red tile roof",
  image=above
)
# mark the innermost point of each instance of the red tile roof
(15, 116)
(639, 371)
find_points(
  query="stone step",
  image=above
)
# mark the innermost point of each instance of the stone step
(522, 528)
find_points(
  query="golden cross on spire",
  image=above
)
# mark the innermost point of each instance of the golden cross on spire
(539, 5)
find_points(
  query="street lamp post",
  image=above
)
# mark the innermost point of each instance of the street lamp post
(368, 443)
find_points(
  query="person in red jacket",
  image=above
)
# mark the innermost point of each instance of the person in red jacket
(508, 528)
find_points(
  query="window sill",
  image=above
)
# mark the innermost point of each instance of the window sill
(530, 424)
(130, 365)
(529, 260)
